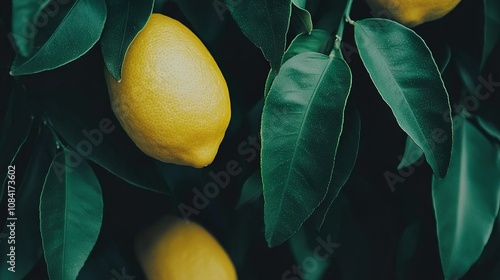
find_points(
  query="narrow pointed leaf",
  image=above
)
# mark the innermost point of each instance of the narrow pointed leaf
(15, 130)
(71, 212)
(265, 23)
(301, 125)
(303, 250)
(305, 243)
(80, 124)
(408, 246)
(492, 129)
(251, 190)
(25, 15)
(124, 21)
(406, 76)
(27, 227)
(347, 153)
(491, 26)
(301, 17)
(411, 154)
(467, 200)
(69, 34)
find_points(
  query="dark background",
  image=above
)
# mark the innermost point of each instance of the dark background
(374, 218)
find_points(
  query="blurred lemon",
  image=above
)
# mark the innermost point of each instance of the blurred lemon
(173, 249)
(412, 12)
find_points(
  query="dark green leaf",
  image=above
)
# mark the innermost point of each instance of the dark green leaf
(301, 125)
(411, 155)
(28, 242)
(74, 118)
(465, 67)
(443, 57)
(308, 243)
(67, 35)
(301, 17)
(114, 261)
(25, 15)
(319, 41)
(251, 191)
(303, 252)
(265, 23)
(492, 129)
(206, 16)
(467, 200)
(347, 153)
(492, 249)
(71, 212)
(491, 27)
(15, 130)
(406, 76)
(124, 21)
(408, 246)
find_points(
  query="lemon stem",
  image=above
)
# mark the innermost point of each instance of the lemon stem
(348, 12)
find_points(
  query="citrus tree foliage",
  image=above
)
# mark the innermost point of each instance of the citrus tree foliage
(359, 147)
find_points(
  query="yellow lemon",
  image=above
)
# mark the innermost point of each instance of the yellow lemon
(173, 249)
(173, 100)
(412, 12)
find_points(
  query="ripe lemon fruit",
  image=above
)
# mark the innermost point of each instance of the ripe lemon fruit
(172, 249)
(173, 100)
(412, 12)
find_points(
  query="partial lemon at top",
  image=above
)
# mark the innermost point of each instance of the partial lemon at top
(412, 12)
(173, 100)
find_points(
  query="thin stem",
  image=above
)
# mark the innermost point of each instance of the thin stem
(48, 123)
(340, 31)
(347, 12)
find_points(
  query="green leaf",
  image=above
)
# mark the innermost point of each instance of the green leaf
(491, 26)
(74, 118)
(301, 17)
(465, 67)
(71, 212)
(407, 249)
(69, 34)
(28, 242)
(265, 23)
(303, 252)
(206, 17)
(318, 40)
(25, 14)
(115, 260)
(15, 130)
(308, 244)
(492, 129)
(301, 125)
(467, 200)
(411, 155)
(251, 190)
(406, 76)
(347, 153)
(317, 248)
(443, 57)
(124, 21)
